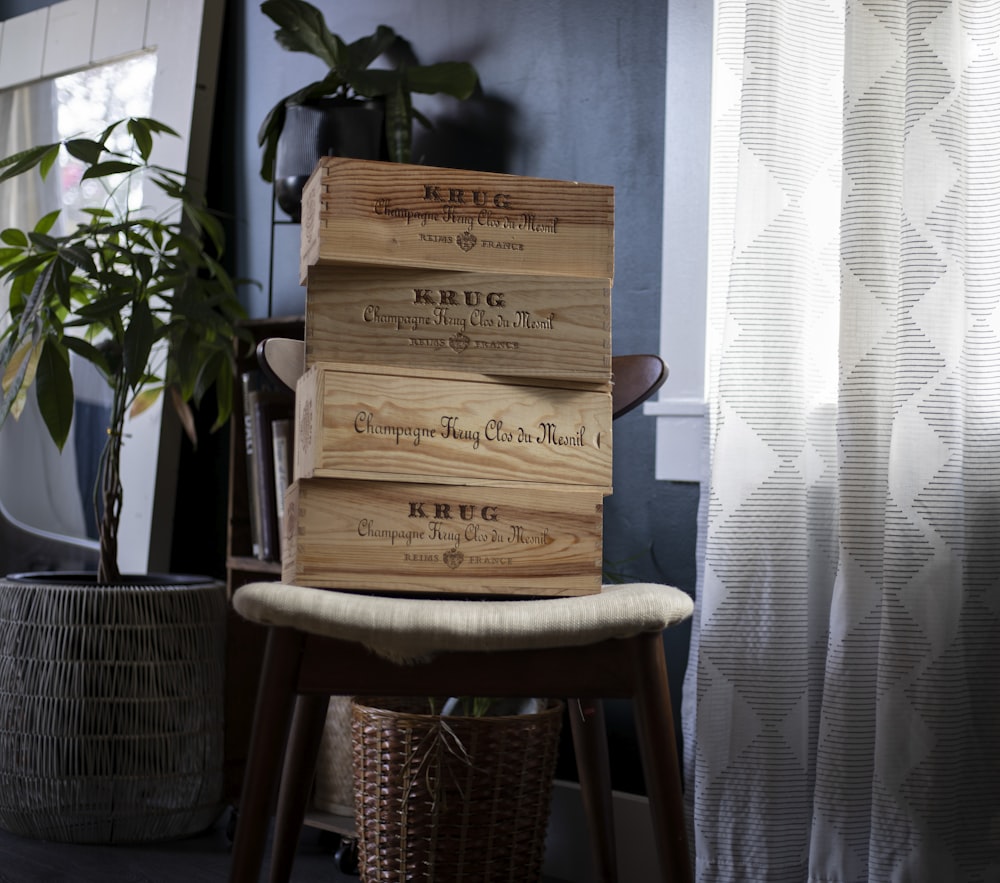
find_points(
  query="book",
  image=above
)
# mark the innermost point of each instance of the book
(266, 406)
(250, 383)
(281, 434)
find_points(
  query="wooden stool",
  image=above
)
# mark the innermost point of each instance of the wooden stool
(323, 643)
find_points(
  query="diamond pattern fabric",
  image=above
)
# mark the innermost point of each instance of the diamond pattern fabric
(842, 705)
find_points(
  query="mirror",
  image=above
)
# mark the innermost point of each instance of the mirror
(150, 57)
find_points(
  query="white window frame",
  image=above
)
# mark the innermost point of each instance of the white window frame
(680, 408)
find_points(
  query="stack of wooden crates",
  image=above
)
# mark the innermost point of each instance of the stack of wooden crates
(453, 425)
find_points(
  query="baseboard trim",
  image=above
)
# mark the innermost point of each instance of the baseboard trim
(567, 847)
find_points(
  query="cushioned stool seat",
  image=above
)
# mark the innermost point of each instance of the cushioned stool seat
(409, 629)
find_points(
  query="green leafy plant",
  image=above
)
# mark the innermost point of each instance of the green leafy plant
(302, 28)
(138, 293)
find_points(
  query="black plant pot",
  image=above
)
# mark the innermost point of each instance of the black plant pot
(325, 127)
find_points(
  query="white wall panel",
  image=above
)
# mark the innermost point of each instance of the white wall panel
(121, 28)
(68, 37)
(22, 48)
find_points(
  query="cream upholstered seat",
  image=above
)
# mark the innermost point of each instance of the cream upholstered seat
(586, 648)
(407, 630)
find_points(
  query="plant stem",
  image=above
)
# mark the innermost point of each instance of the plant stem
(108, 503)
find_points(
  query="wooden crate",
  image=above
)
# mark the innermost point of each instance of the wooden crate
(399, 537)
(381, 422)
(528, 326)
(393, 214)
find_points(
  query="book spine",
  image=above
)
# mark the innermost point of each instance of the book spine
(249, 383)
(264, 475)
(281, 432)
(268, 405)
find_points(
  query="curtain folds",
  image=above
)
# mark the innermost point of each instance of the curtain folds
(33, 496)
(841, 705)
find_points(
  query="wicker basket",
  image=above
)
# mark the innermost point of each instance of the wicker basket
(448, 799)
(111, 708)
(333, 789)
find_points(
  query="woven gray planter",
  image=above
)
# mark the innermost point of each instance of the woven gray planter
(111, 708)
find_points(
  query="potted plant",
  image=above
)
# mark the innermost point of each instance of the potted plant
(133, 662)
(141, 296)
(370, 98)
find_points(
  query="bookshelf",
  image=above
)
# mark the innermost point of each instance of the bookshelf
(245, 641)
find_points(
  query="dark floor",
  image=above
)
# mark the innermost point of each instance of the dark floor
(200, 859)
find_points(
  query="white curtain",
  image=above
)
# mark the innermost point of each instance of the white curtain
(41, 493)
(842, 704)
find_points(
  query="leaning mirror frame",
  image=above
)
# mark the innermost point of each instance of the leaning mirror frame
(183, 36)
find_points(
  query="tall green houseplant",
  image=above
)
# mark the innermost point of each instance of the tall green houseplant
(138, 293)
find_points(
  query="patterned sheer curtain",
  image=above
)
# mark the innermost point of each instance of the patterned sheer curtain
(842, 709)
(34, 495)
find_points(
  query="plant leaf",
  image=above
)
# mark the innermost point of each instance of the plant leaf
(185, 414)
(364, 51)
(210, 225)
(99, 310)
(46, 222)
(79, 257)
(145, 400)
(15, 237)
(30, 318)
(375, 83)
(224, 393)
(110, 167)
(303, 29)
(43, 242)
(398, 128)
(21, 380)
(207, 376)
(142, 136)
(18, 163)
(156, 126)
(15, 361)
(26, 265)
(138, 342)
(455, 78)
(14, 367)
(267, 138)
(97, 213)
(54, 391)
(62, 283)
(85, 150)
(47, 162)
(86, 350)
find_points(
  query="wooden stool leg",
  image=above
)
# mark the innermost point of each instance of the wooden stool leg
(301, 752)
(658, 747)
(590, 742)
(270, 728)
